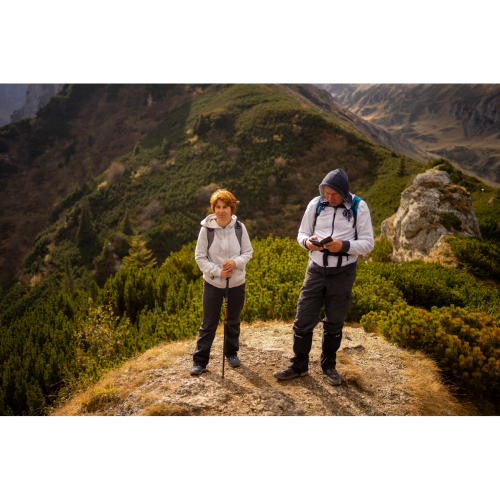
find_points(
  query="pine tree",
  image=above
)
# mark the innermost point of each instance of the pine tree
(68, 278)
(165, 147)
(126, 224)
(86, 236)
(402, 167)
(93, 290)
(139, 256)
(137, 148)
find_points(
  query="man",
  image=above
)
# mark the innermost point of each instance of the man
(331, 271)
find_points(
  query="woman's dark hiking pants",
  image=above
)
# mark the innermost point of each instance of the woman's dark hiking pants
(335, 290)
(213, 298)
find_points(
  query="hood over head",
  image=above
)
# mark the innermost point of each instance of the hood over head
(210, 221)
(336, 179)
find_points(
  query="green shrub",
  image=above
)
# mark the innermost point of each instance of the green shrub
(450, 221)
(382, 250)
(481, 258)
(426, 284)
(466, 345)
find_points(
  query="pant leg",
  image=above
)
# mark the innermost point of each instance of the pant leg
(235, 306)
(309, 305)
(338, 301)
(212, 302)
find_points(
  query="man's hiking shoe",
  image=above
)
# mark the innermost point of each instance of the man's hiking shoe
(197, 369)
(288, 373)
(332, 376)
(234, 361)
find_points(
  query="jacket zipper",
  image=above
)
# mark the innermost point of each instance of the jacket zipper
(333, 221)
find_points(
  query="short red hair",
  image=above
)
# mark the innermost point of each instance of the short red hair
(225, 196)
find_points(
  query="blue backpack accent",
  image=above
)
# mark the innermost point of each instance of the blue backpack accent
(354, 207)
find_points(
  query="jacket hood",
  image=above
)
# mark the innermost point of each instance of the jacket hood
(211, 222)
(336, 179)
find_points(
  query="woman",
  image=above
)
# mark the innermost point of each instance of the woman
(222, 252)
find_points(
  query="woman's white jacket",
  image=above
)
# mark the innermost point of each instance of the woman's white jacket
(225, 246)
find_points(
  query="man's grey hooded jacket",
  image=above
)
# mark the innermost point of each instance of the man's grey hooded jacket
(337, 222)
(225, 246)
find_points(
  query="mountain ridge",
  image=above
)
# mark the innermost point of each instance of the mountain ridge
(12, 96)
(460, 122)
(37, 94)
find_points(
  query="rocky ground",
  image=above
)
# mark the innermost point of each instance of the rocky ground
(377, 379)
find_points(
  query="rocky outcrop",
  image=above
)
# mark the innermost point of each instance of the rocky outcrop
(430, 209)
(37, 95)
(12, 96)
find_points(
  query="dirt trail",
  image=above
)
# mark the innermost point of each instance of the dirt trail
(377, 379)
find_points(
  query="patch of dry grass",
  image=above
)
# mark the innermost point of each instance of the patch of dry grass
(428, 393)
(166, 410)
(115, 386)
(351, 373)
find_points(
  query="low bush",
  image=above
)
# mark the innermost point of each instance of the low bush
(466, 345)
(450, 221)
(481, 258)
(115, 172)
(382, 250)
(426, 284)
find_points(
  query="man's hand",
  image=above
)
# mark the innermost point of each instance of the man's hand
(311, 246)
(334, 246)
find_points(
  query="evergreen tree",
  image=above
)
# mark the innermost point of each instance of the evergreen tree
(139, 256)
(68, 278)
(126, 224)
(402, 167)
(137, 148)
(93, 290)
(165, 147)
(86, 236)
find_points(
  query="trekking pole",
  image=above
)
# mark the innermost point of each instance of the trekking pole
(225, 326)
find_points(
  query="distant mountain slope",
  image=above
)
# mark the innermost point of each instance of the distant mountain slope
(37, 94)
(324, 102)
(268, 143)
(458, 122)
(12, 96)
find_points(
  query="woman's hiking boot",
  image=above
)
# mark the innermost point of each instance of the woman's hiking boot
(197, 369)
(332, 376)
(288, 373)
(234, 361)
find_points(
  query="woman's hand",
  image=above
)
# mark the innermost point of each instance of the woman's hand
(334, 246)
(226, 273)
(228, 264)
(311, 246)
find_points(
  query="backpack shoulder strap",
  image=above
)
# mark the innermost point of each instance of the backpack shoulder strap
(355, 205)
(238, 229)
(319, 208)
(210, 237)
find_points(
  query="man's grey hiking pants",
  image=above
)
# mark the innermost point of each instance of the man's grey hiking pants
(335, 290)
(213, 299)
